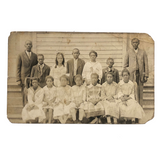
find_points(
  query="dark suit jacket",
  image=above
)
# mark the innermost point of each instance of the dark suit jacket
(70, 69)
(24, 66)
(130, 61)
(115, 73)
(37, 73)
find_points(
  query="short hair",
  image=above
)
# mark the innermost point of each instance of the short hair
(95, 74)
(59, 53)
(28, 41)
(135, 39)
(78, 76)
(92, 51)
(64, 76)
(49, 77)
(110, 59)
(76, 49)
(111, 73)
(40, 55)
(34, 78)
(125, 70)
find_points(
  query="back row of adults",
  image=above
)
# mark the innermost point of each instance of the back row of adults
(30, 64)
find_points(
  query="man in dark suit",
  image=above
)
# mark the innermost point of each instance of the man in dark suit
(137, 61)
(110, 68)
(25, 61)
(75, 66)
(41, 70)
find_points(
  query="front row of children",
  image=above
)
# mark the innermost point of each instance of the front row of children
(109, 100)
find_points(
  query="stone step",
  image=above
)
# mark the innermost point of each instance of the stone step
(14, 116)
(16, 120)
(14, 88)
(148, 106)
(148, 92)
(14, 100)
(14, 110)
(14, 94)
(148, 101)
(15, 105)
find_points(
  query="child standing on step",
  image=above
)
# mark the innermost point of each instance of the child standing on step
(109, 96)
(33, 112)
(62, 110)
(49, 100)
(78, 97)
(129, 107)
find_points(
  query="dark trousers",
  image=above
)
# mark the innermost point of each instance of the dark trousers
(24, 95)
(139, 88)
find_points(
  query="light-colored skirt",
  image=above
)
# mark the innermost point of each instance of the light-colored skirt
(33, 114)
(63, 110)
(111, 108)
(92, 110)
(132, 109)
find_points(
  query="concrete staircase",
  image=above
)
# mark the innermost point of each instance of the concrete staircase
(148, 101)
(14, 105)
(14, 102)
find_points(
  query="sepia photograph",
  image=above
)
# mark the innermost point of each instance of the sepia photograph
(80, 78)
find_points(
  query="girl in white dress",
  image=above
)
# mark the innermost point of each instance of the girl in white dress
(62, 110)
(33, 112)
(93, 107)
(129, 107)
(78, 97)
(92, 67)
(109, 96)
(49, 100)
(59, 69)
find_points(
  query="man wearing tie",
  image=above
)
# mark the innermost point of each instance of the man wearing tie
(137, 61)
(25, 61)
(75, 66)
(41, 70)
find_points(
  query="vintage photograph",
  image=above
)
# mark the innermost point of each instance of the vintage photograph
(80, 78)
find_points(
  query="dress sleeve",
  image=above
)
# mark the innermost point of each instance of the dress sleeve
(103, 95)
(52, 72)
(132, 92)
(40, 98)
(84, 71)
(119, 91)
(30, 97)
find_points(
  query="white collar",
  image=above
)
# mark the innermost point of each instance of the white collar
(97, 85)
(136, 51)
(122, 82)
(60, 66)
(28, 52)
(41, 65)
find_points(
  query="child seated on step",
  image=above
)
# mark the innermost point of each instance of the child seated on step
(109, 96)
(49, 100)
(93, 107)
(62, 110)
(129, 107)
(33, 112)
(78, 97)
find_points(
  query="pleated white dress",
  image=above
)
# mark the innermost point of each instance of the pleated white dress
(110, 90)
(35, 97)
(132, 109)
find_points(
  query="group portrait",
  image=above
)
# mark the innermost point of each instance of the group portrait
(80, 78)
